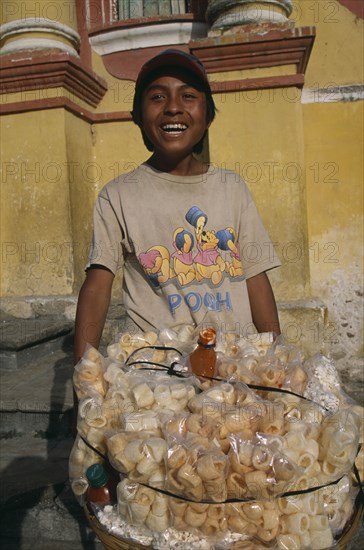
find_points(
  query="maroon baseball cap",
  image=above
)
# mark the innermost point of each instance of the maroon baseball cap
(173, 58)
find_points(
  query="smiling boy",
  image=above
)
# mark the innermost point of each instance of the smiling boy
(171, 207)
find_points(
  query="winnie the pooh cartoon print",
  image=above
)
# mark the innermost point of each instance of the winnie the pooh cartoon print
(228, 243)
(156, 264)
(208, 255)
(208, 262)
(183, 265)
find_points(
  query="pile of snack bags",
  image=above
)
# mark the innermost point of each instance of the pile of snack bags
(260, 456)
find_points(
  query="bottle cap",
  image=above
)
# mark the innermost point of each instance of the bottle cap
(207, 337)
(97, 475)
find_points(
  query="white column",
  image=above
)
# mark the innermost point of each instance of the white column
(40, 26)
(230, 13)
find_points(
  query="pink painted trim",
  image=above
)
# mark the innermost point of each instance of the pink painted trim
(253, 51)
(50, 69)
(124, 116)
(263, 83)
(65, 103)
(228, 53)
(355, 6)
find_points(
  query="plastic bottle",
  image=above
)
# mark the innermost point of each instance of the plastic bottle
(202, 361)
(102, 487)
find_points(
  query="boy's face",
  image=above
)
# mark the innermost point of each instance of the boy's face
(174, 114)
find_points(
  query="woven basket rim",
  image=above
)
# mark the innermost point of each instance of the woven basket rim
(112, 542)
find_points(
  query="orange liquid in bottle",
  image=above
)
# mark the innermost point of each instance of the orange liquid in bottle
(202, 360)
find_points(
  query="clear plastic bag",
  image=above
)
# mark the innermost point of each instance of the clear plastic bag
(258, 469)
(88, 376)
(81, 457)
(139, 454)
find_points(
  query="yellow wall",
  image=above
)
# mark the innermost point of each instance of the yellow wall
(337, 56)
(334, 161)
(333, 153)
(35, 205)
(83, 173)
(264, 135)
(99, 153)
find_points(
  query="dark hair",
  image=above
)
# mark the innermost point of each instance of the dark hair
(197, 83)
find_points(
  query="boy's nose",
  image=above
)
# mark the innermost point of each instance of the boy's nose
(173, 106)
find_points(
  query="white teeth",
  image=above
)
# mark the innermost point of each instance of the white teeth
(174, 127)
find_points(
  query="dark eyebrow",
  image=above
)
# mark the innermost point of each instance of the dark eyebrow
(163, 87)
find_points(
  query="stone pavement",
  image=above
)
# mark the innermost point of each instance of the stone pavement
(38, 509)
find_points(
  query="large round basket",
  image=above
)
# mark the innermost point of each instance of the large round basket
(111, 542)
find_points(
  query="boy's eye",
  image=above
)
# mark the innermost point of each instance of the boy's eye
(156, 96)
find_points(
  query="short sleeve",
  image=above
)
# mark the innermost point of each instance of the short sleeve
(106, 246)
(256, 248)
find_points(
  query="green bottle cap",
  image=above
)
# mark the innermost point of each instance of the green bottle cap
(97, 475)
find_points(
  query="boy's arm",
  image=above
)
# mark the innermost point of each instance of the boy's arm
(262, 304)
(92, 306)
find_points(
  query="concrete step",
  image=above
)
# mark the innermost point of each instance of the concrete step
(25, 340)
(33, 327)
(38, 398)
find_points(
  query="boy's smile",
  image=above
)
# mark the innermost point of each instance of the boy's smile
(174, 115)
(175, 128)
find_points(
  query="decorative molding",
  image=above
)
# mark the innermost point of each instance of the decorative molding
(28, 26)
(219, 54)
(148, 32)
(252, 51)
(126, 65)
(262, 83)
(355, 6)
(124, 116)
(50, 69)
(68, 105)
(251, 15)
(134, 37)
(27, 44)
(228, 53)
(232, 13)
(333, 94)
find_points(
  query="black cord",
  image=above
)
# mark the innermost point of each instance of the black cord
(158, 348)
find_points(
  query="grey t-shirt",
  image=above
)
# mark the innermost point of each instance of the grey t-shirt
(186, 245)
